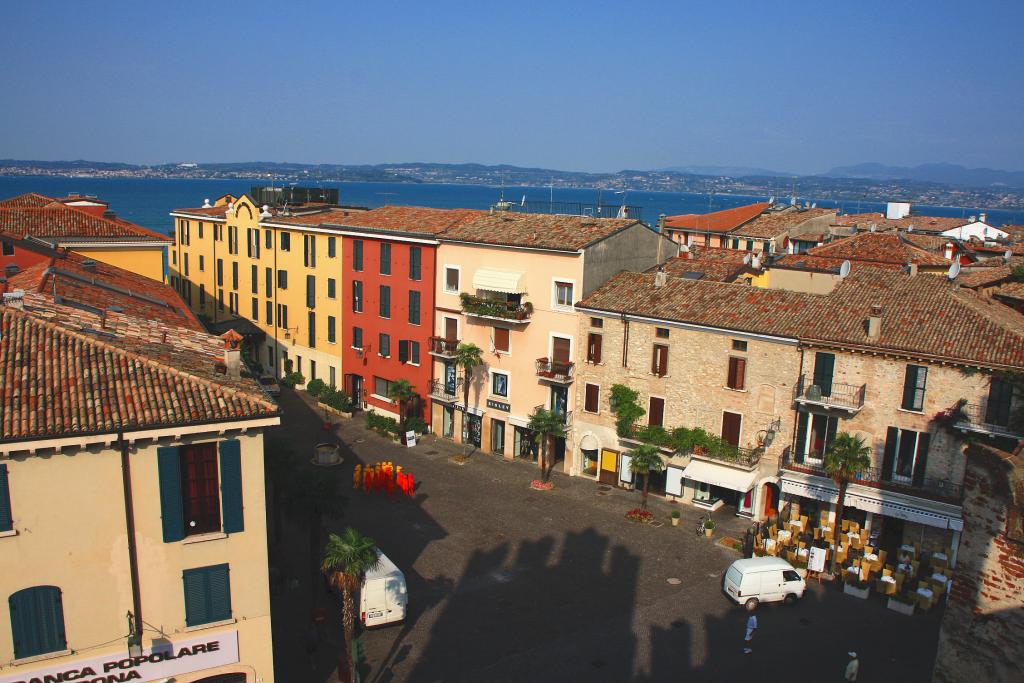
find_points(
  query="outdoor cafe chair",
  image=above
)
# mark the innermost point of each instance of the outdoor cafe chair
(846, 525)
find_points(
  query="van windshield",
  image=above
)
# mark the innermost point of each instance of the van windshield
(733, 576)
(790, 575)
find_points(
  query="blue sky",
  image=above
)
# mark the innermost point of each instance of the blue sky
(593, 86)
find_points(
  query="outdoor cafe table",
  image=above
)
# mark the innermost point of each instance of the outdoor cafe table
(926, 592)
(939, 578)
(769, 544)
(798, 523)
(783, 536)
(870, 557)
(888, 579)
(908, 549)
(905, 567)
(802, 552)
(941, 557)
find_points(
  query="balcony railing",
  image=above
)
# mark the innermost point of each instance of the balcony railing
(508, 310)
(842, 396)
(733, 455)
(439, 346)
(973, 417)
(446, 392)
(555, 371)
(929, 487)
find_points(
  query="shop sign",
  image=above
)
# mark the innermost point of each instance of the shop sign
(498, 405)
(160, 660)
(816, 560)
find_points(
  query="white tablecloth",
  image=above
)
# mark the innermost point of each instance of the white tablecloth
(802, 552)
(783, 536)
(926, 592)
(888, 579)
(909, 549)
(940, 556)
(797, 523)
(769, 544)
(941, 578)
(870, 557)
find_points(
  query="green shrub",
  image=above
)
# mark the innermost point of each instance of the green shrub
(654, 434)
(416, 424)
(292, 379)
(627, 409)
(381, 424)
(337, 399)
(315, 387)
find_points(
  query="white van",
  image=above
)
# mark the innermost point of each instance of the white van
(383, 595)
(762, 579)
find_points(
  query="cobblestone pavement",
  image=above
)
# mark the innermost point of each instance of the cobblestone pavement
(510, 584)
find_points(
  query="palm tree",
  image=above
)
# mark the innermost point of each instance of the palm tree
(845, 458)
(403, 392)
(644, 459)
(546, 424)
(347, 558)
(467, 357)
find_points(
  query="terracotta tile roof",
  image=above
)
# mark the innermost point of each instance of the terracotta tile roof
(988, 272)
(928, 242)
(778, 222)
(413, 219)
(878, 247)
(28, 199)
(59, 380)
(1011, 290)
(933, 224)
(716, 221)
(219, 211)
(540, 231)
(55, 221)
(711, 263)
(922, 316)
(103, 286)
(824, 263)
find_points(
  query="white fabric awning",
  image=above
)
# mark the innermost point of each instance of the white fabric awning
(720, 475)
(497, 280)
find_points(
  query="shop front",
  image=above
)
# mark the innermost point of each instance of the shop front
(712, 485)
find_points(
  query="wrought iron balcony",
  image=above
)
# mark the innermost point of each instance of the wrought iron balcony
(555, 371)
(976, 417)
(747, 458)
(443, 348)
(445, 392)
(932, 488)
(510, 310)
(840, 396)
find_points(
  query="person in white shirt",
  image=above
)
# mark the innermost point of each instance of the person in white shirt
(853, 667)
(749, 637)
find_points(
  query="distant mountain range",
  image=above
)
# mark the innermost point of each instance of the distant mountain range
(947, 174)
(730, 171)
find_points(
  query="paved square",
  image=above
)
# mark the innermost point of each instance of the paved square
(510, 584)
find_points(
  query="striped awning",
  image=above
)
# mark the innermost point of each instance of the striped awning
(497, 280)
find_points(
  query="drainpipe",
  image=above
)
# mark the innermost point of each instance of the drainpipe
(273, 283)
(625, 341)
(129, 518)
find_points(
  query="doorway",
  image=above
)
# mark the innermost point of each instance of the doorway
(474, 429)
(609, 473)
(497, 436)
(731, 427)
(356, 391)
(771, 500)
(448, 422)
(559, 400)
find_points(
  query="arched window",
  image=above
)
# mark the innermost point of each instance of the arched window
(37, 621)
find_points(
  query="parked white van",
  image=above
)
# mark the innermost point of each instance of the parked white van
(762, 579)
(383, 595)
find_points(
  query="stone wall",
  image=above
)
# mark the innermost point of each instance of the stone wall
(983, 627)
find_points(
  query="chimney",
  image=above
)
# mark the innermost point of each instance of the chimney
(875, 322)
(911, 268)
(11, 269)
(982, 217)
(89, 265)
(232, 353)
(15, 299)
(660, 278)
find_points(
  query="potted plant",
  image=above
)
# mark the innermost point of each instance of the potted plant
(856, 588)
(675, 517)
(709, 528)
(902, 603)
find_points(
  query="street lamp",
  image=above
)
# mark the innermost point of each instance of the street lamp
(134, 638)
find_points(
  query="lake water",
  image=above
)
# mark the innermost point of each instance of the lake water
(148, 201)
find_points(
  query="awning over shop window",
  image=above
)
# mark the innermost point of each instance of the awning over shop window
(497, 280)
(719, 475)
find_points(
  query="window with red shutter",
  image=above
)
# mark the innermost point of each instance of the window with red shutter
(659, 361)
(592, 398)
(594, 348)
(737, 373)
(656, 412)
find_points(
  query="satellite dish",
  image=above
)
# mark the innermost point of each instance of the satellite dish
(844, 269)
(954, 270)
(871, 227)
(746, 259)
(685, 249)
(1008, 254)
(910, 228)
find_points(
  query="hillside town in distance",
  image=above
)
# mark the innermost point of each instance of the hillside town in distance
(292, 440)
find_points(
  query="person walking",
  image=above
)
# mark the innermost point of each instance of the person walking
(748, 638)
(853, 668)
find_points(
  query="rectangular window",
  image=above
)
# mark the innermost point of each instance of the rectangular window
(218, 232)
(220, 272)
(331, 324)
(286, 241)
(594, 347)
(381, 387)
(220, 299)
(357, 337)
(255, 309)
(309, 251)
(1000, 399)
(207, 594)
(310, 291)
(234, 275)
(414, 352)
(661, 332)
(37, 625)
(384, 344)
(731, 423)
(357, 296)
(200, 230)
(174, 257)
(905, 459)
(414, 308)
(311, 337)
(501, 339)
(332, 247)
(737, 373)
(415, 263)
(497, 436)
(596, 322)
(253, 242)
(385, 301)
(202, 263)
(332, 377)
(499, 384)
(282, 279)
(202, 296)
(659, 360)
(200, 488)
(451, 280)
(813, 435)
(592, 398)
(9, 249)
(824, 368)
(403, 351)
(270, 313)
(312, 369)
(233, 302)
(331, 288)
(357, 255)
(282, 316)
(656, 412)
(268, 239)
(255, 280)
(563, 294)
(186, 263)
(269, 281)
(913, 387)
(739, 345)
(385, 258)
(6, 518)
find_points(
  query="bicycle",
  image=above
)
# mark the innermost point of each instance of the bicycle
(703, 520)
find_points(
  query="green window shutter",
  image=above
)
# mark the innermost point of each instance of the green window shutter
(220, 592)
(824, 369)
(6, 519)
(801, 437)
(310, 291)
(37, 621)
(172, 511)
(910, 387)
(231, 486)
(207, 594)
(921, 461)
(889, 457)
